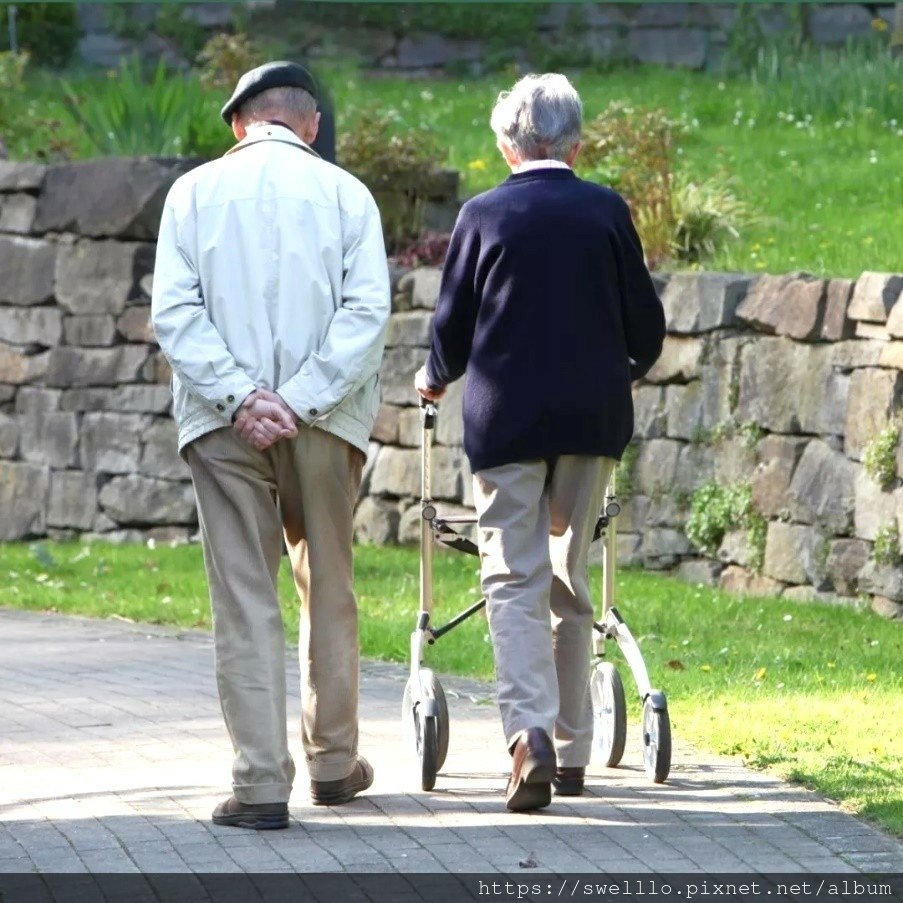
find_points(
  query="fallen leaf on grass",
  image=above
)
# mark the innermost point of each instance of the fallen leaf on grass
(675, 664)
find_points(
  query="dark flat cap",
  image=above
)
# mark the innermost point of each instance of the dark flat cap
(279, 74)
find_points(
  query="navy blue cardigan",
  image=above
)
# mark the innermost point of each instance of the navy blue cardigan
(545, 301)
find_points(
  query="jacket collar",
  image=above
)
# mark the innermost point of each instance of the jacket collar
(271, 131)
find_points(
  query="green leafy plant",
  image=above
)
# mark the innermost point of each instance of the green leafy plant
(624, 473)
(707, 215)
(880, 458)
(756, 536)
(49, 32)
(396, 162)
(225, 58)
(715, 509)
(132, 114)
(750, 432)
(886, 550)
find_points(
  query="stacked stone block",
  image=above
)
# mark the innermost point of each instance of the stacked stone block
(87, 445)
(779, 383)
(683, 35)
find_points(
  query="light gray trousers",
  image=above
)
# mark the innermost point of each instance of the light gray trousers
(536, 522)
(314, 477)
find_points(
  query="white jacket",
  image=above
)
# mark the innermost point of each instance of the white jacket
(271, 271)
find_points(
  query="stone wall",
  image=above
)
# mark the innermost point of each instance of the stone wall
(771, 385)
(687, 35)
(776, 384)
(86, 441)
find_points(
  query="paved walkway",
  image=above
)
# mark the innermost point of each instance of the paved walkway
(113, 754)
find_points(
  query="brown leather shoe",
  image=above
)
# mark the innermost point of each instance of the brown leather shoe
(530, 784)
(569, 781)
(257, 816)
(334, 793)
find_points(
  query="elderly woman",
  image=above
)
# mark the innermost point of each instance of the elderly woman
(547, 304)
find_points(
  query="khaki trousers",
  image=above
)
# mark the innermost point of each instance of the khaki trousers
(536, 521)
(303, 489)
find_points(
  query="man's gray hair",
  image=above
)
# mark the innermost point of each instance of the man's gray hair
(293, 102)
(540, 117)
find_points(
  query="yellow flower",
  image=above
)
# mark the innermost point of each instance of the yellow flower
(879, 24)
(760, 674)
(871, 677)
(477, 164)
(706, 667)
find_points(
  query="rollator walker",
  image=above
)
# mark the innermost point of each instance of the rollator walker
(424, 707)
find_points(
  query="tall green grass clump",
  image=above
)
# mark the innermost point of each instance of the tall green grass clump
(861, 80)
(134, 113)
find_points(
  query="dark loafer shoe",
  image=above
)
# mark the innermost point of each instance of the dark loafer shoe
(569, 781)
(257, 816)
(334, 793)
(530, 784)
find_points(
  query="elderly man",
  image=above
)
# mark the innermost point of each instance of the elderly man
(547, 303)
(271, 300)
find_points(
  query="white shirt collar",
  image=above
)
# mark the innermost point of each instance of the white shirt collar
(529, 165)
(269, 131)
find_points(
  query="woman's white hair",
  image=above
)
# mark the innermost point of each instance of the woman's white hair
(539, 118)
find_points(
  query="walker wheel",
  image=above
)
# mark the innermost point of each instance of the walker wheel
(656, 741)
(427, 736)
(609, 713)
(429, 753)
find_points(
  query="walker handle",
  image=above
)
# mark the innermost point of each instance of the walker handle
(430, 411)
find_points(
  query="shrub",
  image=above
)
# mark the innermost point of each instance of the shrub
(880, 458)
(395, 162)
(886, 550)
(49, 32)
(715, 509)
(631, 150)
(707, 216)
(225, 58)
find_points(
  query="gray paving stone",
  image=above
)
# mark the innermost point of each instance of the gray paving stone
(151, 759)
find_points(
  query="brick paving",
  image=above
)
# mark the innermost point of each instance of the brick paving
(113, 754)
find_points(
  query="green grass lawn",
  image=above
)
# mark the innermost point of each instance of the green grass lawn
(809, 691)
(824, 188)
(820, 195)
